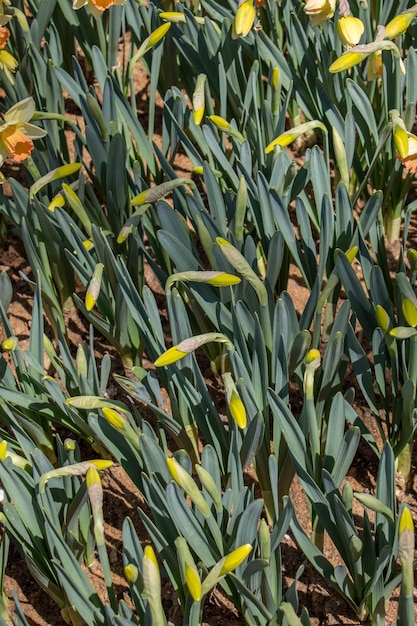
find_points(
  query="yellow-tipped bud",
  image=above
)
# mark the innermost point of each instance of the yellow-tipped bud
(69, 445)
(351, 254)
(184, 480)
(3, 450)
(114, 418)
(176, 17)
(93, 290)
(244, 19)
(193, 583)
(346, 61)
(399, 24)
(131, 573)
(9, 344)
(157, 35)
(235, 558)
(92, 477)
(406, 521)
(101, 464)
(276, 73)
(172, 355)
(350, 30)
(149, 553)
(312, 355)
(237, 410)
(199, 99)
(382, 317)
(285, 139)
(409, 310)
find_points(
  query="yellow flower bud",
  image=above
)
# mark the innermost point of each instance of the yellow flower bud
(382, 317)
(114, 418)
(149, 553)
(406, 521)
(285, 139)
(101, 464)
(235, 558)
(170, 356)
(346, 61)
(350, 30)
(176, 17)
(92, 477)
(131, 573)
(237, 410)
(3, 450)
(157, 35)
(399, 24)
(9, 344)
(184, 480)
(193, 583)
(93, 290)
(244, 19)
(409, 311)
(312, 355)
(199, 99)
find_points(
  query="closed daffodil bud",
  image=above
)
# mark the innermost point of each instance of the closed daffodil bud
(400, 23)
(193, 583)
(187, 346)
(346, 61)
(9, 344)
(131, 573)
(199, 99)
(406, 543)
(350, 30)
(312, 355)
(3, 450)
(94, 287)
(244, 19)
(184, 480)
(409, 310)
(235, 558)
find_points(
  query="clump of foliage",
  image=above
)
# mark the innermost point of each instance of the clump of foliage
(101, 200)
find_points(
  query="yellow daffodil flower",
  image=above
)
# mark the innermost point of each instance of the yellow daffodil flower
(320, 10)
(405, 142)
(350, 30)
(244, 19)
(16, 134)
(409, 159)
(375, 66)
(97, 7)
(8, 64)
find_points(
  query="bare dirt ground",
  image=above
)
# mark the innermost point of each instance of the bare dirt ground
(122, 499)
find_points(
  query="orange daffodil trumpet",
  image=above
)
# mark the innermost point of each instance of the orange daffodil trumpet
(16, 133)
(97, 7)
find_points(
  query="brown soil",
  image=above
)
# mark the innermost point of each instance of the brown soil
(122, 498)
